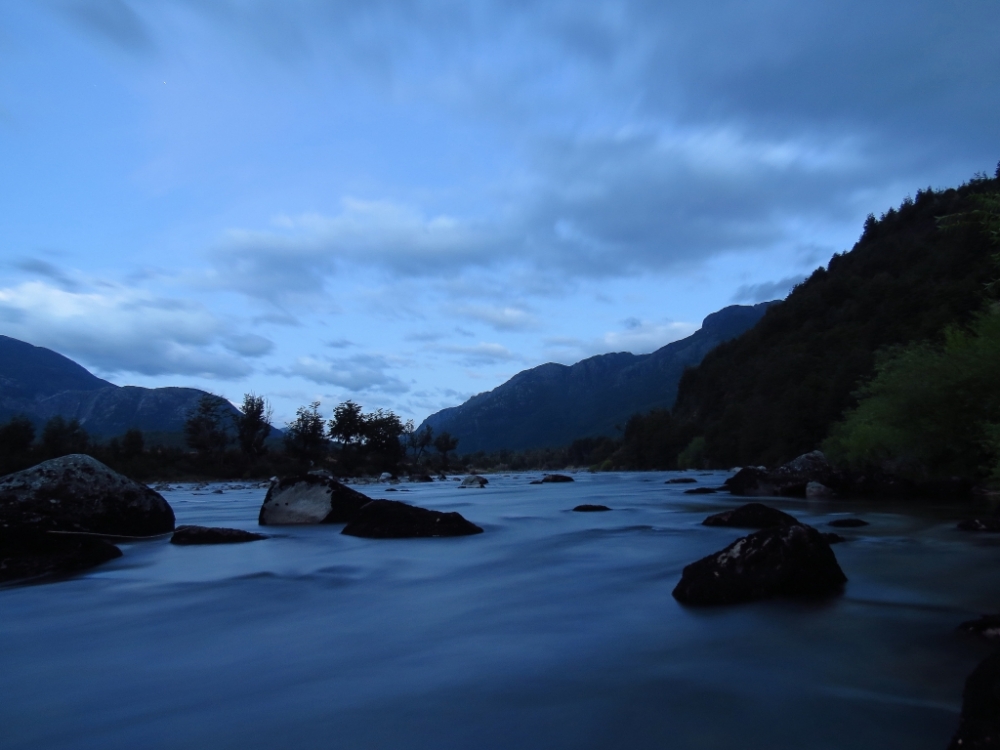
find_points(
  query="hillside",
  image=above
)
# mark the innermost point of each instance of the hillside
(552, 405)
(775, 392)
(42, 384)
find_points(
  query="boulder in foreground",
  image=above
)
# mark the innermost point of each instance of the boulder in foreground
(790, 561)
(30, 554)
(79, 493)
(979, 727)
(391, 519)
(750, 516)
(212, 535)
(309, 499)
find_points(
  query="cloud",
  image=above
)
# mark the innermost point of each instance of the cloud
(361, 372)
(767, 290)
(111, 21)
(39, 267)
(508, 318)
(480, 354)
(119, 330)
(249, 344)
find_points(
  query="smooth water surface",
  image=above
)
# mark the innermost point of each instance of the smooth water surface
(553, 629)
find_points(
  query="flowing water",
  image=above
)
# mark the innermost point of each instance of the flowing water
(553, 629)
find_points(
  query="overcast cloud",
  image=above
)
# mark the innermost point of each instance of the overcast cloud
(405, 203)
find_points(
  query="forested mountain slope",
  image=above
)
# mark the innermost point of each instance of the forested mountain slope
(775, 391)
(552, 405)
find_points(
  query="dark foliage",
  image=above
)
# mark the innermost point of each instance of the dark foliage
(775, 392)
(205, 428)
(253, 425)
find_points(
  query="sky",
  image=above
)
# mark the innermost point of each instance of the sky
(405, 203)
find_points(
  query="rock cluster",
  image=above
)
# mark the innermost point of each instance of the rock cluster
(808, 475)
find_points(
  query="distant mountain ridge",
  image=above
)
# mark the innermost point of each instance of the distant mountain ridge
(551, 405)
(42, 384)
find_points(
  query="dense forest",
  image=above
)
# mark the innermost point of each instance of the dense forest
(918, 275)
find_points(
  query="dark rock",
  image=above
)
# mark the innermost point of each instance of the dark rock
(391, 519)
(980, 524)
(212, 535)
(701, 491)
(751, 516)
(535, 481)
(590, 508)
(308, 499)
(421, 478)
(816, 491)
(79, 493)
(848, 523)
(987, 626)
(790, 480)
(474, 480)
(832, 538)
(979, 727)
(791, 561)
(681, 480)
(555, 478)
(26, 553)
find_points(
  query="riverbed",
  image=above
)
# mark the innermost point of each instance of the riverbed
(553, 629)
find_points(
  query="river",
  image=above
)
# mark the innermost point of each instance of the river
(552, 629)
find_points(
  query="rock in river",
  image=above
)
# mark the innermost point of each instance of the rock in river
(391, 519)
(28, 554)
(310, 498)
(588, 508)
(750, 516)
(552, 479)
(79, 493)
(474, 480)
(793, 561)
(979, 727)
(212, 535)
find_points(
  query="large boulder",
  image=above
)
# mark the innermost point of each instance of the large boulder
(185, 535)
(29, 554)
(979, 727)
(750, 516)
(792, 561)
(474, 480)
(79, 493)
(309, 499)
(391, 519)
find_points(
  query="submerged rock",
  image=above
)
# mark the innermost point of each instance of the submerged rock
(30, 554)
(553, 479)
(701, 491)
(212, 535)
(391, 519)
(980, 524)
(79, 493)
(309, 499)
(750, 516)
(474, 480)
(586, 508)
(848, 523)
(987, 626)
(681, 480)
(979, 727)
(791, 561)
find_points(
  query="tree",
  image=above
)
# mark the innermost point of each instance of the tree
(133, 444)
(382, 431)
(305, 437)
(419, 441)
(348, 424)
(253, 425)
(444, 444)
(204, 430)
(61, 438)
(16, 436)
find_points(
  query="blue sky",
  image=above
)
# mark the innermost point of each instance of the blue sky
(405, 203)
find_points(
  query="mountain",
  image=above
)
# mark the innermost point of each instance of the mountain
(42, 384)
(775, 392)
(551, 405)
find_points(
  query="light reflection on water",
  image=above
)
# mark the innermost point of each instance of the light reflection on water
(553, 629)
